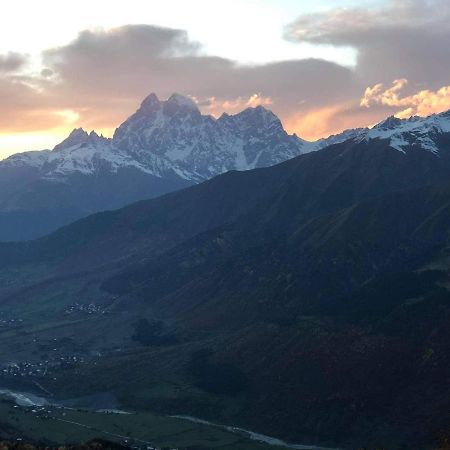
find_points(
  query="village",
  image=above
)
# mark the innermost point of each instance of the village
(90, 308)
(40, 369)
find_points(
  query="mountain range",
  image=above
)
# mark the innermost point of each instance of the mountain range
(308, 300)
(163, 147)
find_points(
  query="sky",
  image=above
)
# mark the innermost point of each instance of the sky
(321, 65)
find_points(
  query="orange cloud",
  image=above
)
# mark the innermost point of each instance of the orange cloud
(422, 103)
(216, 107)
(316, 123)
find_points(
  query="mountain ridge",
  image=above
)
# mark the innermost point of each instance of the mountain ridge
(251, 118)
(318, 289)
(165, 146)
(162, 147)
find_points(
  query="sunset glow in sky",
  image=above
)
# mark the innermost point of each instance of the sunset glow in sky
(321, 65)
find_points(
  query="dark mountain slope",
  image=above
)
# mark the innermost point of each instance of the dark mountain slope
(298, 270)
(40, 207)
(319, 287)
(343, 341)
(305, 187)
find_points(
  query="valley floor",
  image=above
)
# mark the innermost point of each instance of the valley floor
(64, 426)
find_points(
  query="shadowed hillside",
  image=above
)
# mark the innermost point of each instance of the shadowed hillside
(309, 300)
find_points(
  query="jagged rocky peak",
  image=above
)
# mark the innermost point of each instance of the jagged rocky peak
(261, 114)
(78, 134)
(177, 103)
(152, 107)
(181, 100)
(151, 103)
(258, 117)
(79, 137)
(389, 124)
(171, 138)
(413, 133)
(76, 137)
(95, 138)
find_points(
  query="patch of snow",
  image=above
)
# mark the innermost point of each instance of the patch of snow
(415, 131)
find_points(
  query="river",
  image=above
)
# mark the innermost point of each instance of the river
(253, 435)
(26, 399)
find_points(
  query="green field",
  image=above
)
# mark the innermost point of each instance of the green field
(64, 426)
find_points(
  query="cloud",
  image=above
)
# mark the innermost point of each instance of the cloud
(258, 100)
(12, 62)
(389, 97)
(216, 107)
(104, 74)
(318, 122)
(403, 39)
(422, 103)
(25, 106)
(100, 77)
(22, 107)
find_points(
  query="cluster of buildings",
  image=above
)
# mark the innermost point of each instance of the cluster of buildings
(39, 369)
(88, 308)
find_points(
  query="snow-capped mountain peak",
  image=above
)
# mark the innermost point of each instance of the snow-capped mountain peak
(175, 136)
(151, 102)
(353, 134)
(76, 137)
(416, 132)
(79, 137)
(390, 123)
(258, 117)
(171, 139)
(181, 101)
